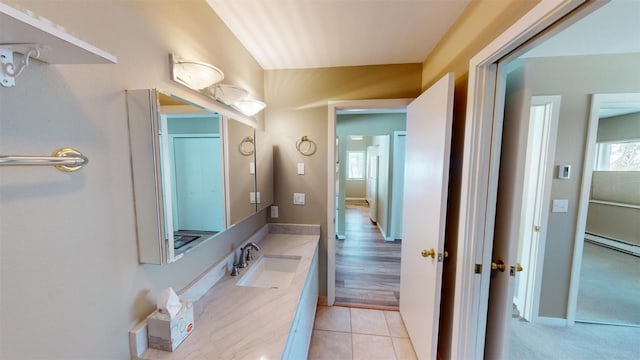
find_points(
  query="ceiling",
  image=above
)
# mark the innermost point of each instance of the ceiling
(296, 34)
(612, 29)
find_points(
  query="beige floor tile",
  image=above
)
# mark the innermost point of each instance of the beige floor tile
(367, 321)
(396, 325)
(330, 345)
(334, 318)
(367, 347)
(404, 349)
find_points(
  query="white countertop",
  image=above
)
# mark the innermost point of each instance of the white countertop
(240, 322)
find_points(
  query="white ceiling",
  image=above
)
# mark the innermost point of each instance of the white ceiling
(293, 34)
(612, 29)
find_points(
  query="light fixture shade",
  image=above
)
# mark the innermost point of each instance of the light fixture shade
(195, 74)
(228, 94)
(249, 107)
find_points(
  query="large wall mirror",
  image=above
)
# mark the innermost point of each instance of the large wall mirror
(178, 174)
(264, 169)
(241, 171)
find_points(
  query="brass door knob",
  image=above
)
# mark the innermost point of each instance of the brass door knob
(518, 267)
(429, 253)
(498, 265)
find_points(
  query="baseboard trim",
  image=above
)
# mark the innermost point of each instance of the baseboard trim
(615, 244)
(551, 321)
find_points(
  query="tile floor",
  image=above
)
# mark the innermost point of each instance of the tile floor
(343, 333)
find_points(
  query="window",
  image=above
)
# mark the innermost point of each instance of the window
(621, 156)
(355, 165)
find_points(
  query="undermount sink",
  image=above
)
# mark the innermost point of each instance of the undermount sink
(271, 271)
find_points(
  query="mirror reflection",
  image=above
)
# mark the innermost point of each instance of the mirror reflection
(191, 162)
(177, 168)
(241, 170)
(264, 169)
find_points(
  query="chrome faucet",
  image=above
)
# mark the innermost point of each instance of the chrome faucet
(245, 254)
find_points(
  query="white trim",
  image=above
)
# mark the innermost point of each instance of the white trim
(334, 106)
(355, 198)
(597, 101)
(614, 244)
(613, 203)
(479, 178)
(551, 321)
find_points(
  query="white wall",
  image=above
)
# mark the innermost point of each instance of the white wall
(71, 285)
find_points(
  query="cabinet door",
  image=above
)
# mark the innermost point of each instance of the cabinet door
(300, 334)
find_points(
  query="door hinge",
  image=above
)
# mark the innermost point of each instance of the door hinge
(478, 269)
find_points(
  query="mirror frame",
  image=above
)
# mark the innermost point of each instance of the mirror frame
(143, 110)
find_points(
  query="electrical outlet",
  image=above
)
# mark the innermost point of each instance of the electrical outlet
(300, 168)
(274, 212)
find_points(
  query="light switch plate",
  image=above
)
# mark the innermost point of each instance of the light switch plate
(560, 206)
(298, 198)
(252, 168)
(274, 212)
(300, 168)
(252, 197)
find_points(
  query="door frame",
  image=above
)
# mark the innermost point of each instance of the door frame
(481, 160)
(597, 101)
(333, 106)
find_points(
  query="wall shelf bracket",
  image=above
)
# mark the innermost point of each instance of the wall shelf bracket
(9, 69)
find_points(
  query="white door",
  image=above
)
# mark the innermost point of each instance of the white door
(372, 182)
(543, 125)
(428, 145)
(399, 144)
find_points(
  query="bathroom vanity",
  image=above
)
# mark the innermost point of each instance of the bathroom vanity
(250, 316)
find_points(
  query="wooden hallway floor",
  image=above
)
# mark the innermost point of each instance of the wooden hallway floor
(367, 266)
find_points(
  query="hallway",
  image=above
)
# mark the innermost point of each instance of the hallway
(367, 267)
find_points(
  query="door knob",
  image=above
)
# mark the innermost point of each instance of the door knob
(498, 265)
(514, 269)
(429, 253)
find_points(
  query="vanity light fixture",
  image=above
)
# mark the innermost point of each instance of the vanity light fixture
(249, 107)
(194, 74)
(228, 94)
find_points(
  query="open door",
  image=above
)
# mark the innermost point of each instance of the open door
(428, 146)
(372, 182)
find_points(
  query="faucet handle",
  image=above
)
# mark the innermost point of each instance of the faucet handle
(235, 271)
(249, 255)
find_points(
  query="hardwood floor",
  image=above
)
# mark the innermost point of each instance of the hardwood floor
(367, 267)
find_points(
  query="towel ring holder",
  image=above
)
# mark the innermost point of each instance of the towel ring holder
(306, 146)
(247, 146)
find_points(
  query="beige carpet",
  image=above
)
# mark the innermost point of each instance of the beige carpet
(609, 286)
(609, 292)
(579, 342)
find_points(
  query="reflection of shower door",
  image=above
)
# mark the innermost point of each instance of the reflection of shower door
(372, 182)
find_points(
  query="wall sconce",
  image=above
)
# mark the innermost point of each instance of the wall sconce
(194, 74)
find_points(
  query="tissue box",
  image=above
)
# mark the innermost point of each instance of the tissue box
(166, 333)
